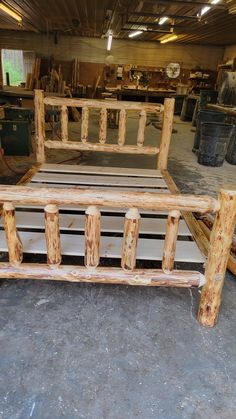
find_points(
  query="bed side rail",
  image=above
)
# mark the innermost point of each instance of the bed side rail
(103, 106)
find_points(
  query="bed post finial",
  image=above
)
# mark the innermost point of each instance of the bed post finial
(220, 243)
(39, 125)
(166, 133)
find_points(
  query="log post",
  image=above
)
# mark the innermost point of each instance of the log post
(220, 243)
(122, 127)
(92, 237)
(141, 128)
(64, 123)
(170, 241)
(39, 125)
(166, 133)
(52, 234)
(15, 248)
(103, 126)
(130, 239)
(84, 124)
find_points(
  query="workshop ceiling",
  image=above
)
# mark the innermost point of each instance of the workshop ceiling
(94, 18)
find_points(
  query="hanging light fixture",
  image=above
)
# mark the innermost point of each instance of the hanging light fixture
(109, 41)
(163, 20)
(10, 12)
(136, 33)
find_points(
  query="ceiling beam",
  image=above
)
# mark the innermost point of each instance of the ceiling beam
(188, 3)
(158, 15)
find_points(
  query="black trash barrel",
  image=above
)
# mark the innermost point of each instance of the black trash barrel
(206, 116)
(231, 152)
(215, 138)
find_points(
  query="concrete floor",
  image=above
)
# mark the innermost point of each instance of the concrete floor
(93, 351)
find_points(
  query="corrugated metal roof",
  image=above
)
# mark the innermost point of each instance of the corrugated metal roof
(93, 18)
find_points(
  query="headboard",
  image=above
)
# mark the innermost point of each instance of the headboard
(101, 145)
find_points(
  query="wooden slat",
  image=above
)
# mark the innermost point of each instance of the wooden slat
(141, 128)
(64, 123)
(115, 171)
(84, 125)
(110, 148)
(114, 224)
(102, 126)
(98, 180)
(73, 245)
(122, 127)
(52, 234)
(98, 188)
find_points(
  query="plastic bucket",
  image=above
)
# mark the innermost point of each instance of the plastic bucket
(206, 116)
(215, 138)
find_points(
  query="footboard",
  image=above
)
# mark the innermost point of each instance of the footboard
(95, 200)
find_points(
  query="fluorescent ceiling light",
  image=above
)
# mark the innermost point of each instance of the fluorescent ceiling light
(10, 12)
(163, 20)
(136, 33)
(109, 41)
(169, 39)
(206, 9)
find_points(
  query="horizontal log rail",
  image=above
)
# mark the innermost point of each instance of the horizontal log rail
(81, 196)
(99, 104)
(111, 148)
(107, 275)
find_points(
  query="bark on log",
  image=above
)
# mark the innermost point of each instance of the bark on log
(64, 123)
(103, 126)
(110, 148)
(166, 133)
(130, 239)
(52, 234)
(144, 277)
(15, 248)
(85, 124)
(39, 125)
(80, 196)
(96, 104)
(122, 127)
(141, 128)
(220, 242)
(170, 241)
(92, 237)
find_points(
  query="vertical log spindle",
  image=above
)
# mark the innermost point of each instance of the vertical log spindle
(92, 237)
(220, 243)
(130, 239)
(166, 133)
(52, 234)
(141, 128)
(172, 227)
(39, 125)
(64, 123)
(103, 126)
(122, 127)
(15, 248)
(85, 124)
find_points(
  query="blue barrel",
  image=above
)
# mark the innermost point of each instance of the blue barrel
(215, 138)
(206, 116)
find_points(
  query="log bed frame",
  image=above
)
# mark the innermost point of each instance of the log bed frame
(83, 193)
